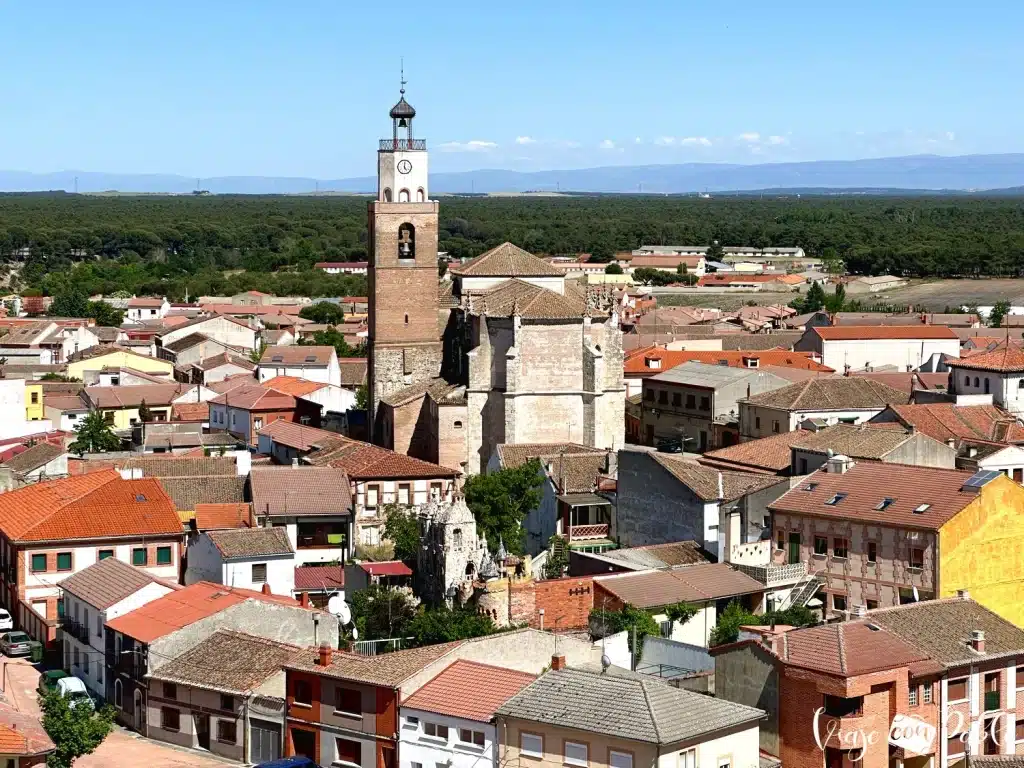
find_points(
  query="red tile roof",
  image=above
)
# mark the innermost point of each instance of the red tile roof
(211, 517)
(186, 606)
(470, 690)
(769, 454)
(298, 436)
(300, 355)
(688, 583)
(95, 505)
(1005, 360)
(848, 649)
(363, 461)
(947, 421)
(190, 412)
(23, 735)
(938, 493)
(256, 397)
(319, 578)
(292, 385)
(637, 362)
(387, 568)
(870, 332)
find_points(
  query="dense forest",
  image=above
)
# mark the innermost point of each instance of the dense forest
(225, 244)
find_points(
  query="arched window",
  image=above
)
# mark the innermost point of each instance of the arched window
(387, 194)
(118, 702)
(457, 538)
(470, 569)
(967, 381)
(403, 196)
(986, 385)
(977, 382)
(406, 319)
(407, 241)
(421, 196)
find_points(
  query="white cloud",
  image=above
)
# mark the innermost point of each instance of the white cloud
(950, 136)
(607, 144)
(474, 145)
(777, 140)
(751, 137)
(525, 140)
(665, 141)
(703, 141)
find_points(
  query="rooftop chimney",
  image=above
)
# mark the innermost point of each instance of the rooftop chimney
(325, 654)
(838, 464)
(266, 589)
(978, 640)
(558, 662)
(951, 443)
(304, 600)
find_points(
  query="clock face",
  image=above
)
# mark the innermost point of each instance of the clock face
(404, 166)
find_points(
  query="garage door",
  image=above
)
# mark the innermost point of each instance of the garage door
(266, 740)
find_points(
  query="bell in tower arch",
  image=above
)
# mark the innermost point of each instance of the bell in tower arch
(406, 241)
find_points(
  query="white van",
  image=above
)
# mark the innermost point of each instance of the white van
(74, 690)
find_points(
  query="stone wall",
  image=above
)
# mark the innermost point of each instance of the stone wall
(746, 675)
(653, 507)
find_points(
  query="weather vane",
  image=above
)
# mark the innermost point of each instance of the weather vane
(402, 65)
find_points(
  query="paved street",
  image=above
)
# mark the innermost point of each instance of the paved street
(121, 748)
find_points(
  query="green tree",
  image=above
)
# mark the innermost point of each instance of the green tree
(814, 301)
(403, 530)
(381, 612)
(323, 312)
(70, 302)
(362, 397)
(727, 629)
(257, 354)
(332, 337)
(613, 269)
(57, 377)
(651, 276)
(681, 612)
(443, 625)
(501, 500)
(715, 252)
(442, 267)
(104, 314)
(93, 435)
(145, 414)
(837, 301)
(999, 312)
(557, 560)
(628, 619)
(75, 729)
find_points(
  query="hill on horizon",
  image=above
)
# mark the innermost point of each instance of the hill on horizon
(919, 173)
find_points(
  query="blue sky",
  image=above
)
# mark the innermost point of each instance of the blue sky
(267, 87)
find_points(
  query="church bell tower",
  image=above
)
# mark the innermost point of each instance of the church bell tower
(404, 345)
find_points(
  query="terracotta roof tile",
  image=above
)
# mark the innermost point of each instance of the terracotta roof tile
(867, 484)
(190, 412)
(23, 735)
(363, 461)
(856, 441)
(528, 301)
(299, 355)
(947, 421)
(516, 454)
(292, 385)
(390, 669)
(834, 393)
(107, 582)
(847, 649)
(186, 606)
(132, 396)
(655, 555)
(256, 397)
(768, 454)
(298, 436)
(868, 332)
(228, 661)
(180, 466)
(688, 583)
(319, 578)
(469, 690)
(226, 358)
(386, 568)
(639, 361)
(235, 543)
(212, 517)
(95, 505)
(34, 457)
(353, 371)
(908, 382)
(300, 491)
(506, 260)
(1008, 359)
(703, 481)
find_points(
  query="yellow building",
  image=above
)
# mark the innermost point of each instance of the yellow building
(982, 550)
(33, 401)
(115, 357)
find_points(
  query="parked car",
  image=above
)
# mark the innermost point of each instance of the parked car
(49, 679)
(289, 762)
(16, 644)
(6, 622)
(74, 690)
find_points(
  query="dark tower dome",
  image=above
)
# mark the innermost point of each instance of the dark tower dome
(403, 109)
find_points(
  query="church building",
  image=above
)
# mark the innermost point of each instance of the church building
(504, 350)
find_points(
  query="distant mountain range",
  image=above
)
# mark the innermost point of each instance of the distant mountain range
(922, 174)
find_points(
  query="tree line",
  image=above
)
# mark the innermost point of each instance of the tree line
(224, 244)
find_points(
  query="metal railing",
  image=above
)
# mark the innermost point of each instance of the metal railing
(774, 575)
(76, 629)
(402, 145)
(598, 531)
(378, 647)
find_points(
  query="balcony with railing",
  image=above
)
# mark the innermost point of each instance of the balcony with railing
(75, 629)
(598, 531)
(403, 145)
(774, 575)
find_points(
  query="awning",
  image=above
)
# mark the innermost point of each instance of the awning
(583, 499)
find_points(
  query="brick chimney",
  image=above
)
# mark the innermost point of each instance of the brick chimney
(558, 662)
(325, 654)
(978, 640)
(304, 600)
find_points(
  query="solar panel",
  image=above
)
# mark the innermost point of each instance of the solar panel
(984, 477)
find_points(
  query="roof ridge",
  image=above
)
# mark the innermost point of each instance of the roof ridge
(650, 709)
(842, 647)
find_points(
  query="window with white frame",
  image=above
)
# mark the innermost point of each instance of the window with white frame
(412, 722)
(435, 731)
(618, 759)
(531, 745)
(687, 759)
(575, 753)
(468, 736)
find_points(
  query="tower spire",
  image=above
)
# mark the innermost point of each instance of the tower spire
(401, 89)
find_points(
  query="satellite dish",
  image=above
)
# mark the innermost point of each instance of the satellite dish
(338, 607)
(355, 633)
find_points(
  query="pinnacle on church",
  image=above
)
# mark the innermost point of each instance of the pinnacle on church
(403, 108)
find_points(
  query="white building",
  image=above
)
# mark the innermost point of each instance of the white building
(343, 267)
(329, 397)
(999, 373)
(46, 343)
(860, 347)
(103, 591)
(248, 558)
(146, 308)
(226, 330)
(441, 725)
(12, 411)
(303, 362)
